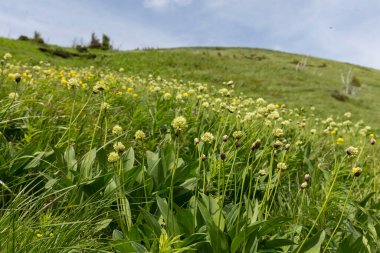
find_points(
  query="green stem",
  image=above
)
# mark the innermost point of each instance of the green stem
(341, 216)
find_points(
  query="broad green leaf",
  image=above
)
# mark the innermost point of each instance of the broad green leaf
(128, 160)
(168, 216)
(312, 245)
(86, 164)
(218, 239)
(125, 211)
(117, 235)
(102, 225)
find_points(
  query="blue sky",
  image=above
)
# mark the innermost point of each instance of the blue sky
(343, 30)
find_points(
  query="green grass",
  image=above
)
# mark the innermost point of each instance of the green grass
(256, 72)
(94, 159)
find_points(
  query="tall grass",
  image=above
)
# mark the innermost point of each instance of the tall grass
(93, 160)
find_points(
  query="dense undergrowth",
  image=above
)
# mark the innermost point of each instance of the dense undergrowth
(93, 160)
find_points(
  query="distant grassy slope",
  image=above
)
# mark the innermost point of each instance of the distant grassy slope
(257, 72)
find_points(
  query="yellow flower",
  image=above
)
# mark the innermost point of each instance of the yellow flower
(179, 123)
(7, 56)
(237, 134)
(117, 130)
(278, 132)
(185, 94)
(340, 140)
(139, 135)
(13, 96)
(119, 147)
(51, 234)
(357, 171)
(39, 235)
(207, 137)
(281, 166)
(113, 157)
(129, 89)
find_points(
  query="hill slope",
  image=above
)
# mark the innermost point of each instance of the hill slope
(279, 77)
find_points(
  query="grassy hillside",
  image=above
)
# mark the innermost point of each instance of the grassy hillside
(256, 72)
(98, 159)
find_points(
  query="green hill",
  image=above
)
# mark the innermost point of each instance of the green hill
(291, 79)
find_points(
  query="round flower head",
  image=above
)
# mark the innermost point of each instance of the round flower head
(225, 138)
(18, 78)
(277, 144)
(105, 105)
(313, 131)
(281, 166)
(357, 171)
(13, 96)
(237, 134)
(179, 123)
(352, 151)
(223, 156)
(306, 177)
(117, 130)
(113, 157)
(303, 185)
(207, 137)
(278, 132)
(139, 135)
(262, 173)
(119, 147)
(372, 141)
(256, 145)
(196, 141)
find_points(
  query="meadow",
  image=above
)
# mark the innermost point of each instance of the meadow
(111, 156)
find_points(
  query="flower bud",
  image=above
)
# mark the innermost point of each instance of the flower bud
(303, 185)
(223, 156)
(238, 144)
(203, 157)
(225, 138)
(372, 141)
(262, 173)
(256, 145)
(306, 178)
(196, 141)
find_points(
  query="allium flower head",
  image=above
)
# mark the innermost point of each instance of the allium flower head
(372, 141)
(237, 134)
(139, 135)
(278, 132)
(281, 166)
(113, 157)
(357, 171)
(352, 151)
(303, 185)
(256, 145)
(179, 123)
(117, 130)
(262, 173)
(13, 96)
(207, 137)
(119, 147)
(7, 56)
(196, 141)
(225, 138)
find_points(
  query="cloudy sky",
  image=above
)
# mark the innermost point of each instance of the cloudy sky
(343, 30)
